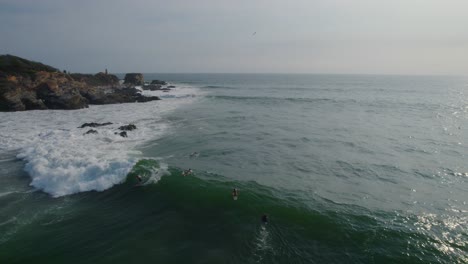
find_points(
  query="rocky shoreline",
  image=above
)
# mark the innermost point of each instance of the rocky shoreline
(27, 85)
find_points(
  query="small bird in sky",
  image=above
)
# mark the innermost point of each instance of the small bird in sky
(255, 33)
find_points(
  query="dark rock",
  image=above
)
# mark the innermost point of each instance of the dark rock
(134, 79)
(99, 79)
(95, 124)
(91, 131)
(122, 134)
(152, 87)
(128, 91)
(19, 99)
(158, 82)
(144, 99)
(126, 95)
(31, 103)
(56, 98)
(128, 127)
(10, 64)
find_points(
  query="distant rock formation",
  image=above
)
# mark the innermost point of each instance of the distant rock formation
(92, 124)
(99, 79)
(158, 82)
(134, 79)
(28, 85)
(152, 87)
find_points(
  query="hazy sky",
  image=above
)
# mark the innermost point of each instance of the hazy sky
(295, 36)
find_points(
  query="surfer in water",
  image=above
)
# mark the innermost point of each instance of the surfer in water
(235, 193)
(140, 180)
(187, 172)
(265, 219)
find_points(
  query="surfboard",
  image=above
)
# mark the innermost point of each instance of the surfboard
(234, 198)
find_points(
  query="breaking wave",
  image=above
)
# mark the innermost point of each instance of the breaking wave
(62, 159)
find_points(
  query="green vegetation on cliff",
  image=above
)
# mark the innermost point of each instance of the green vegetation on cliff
(10, 64)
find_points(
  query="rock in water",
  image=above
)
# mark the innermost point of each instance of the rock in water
(152, 87)
(122, 134)
(95, 124)
(134, 79)
(91, 131)
(158, 82)
(128, 127)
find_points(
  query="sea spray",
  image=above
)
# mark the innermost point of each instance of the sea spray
(62, 159)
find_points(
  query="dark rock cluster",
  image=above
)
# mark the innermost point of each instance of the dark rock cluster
(158, 82)
(128, 127)
(94, 124)
(134, 79)
(122, 133)
(28, 85)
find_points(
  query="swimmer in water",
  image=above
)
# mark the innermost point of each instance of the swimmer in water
(264, 218)
(235, 193)
(139, 178)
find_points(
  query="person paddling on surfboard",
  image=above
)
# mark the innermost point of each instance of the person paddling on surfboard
(235, 194)
(187, 172)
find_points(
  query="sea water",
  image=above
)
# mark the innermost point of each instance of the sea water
(348, 168)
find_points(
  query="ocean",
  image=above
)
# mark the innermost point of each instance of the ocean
(348, 169)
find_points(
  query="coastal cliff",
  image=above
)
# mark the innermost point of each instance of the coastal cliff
(28, 85)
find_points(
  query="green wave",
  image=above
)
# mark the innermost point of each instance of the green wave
(297, 232)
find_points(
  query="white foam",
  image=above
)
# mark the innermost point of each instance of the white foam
(156, 174)
(61, 160)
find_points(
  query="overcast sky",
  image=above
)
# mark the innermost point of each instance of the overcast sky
(295, 36)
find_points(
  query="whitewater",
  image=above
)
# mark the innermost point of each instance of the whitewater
(348, 168)
(62, 159)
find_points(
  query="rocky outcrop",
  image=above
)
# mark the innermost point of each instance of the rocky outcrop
(18, 99)
(92, 124)
(91, 131)
(152, 87)
(60, 98)
(122, 134)
(158, 82)
(27, 85)
(129, 127)
(99, 79)
(41, 90)
(134, 79)
(121, 95)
